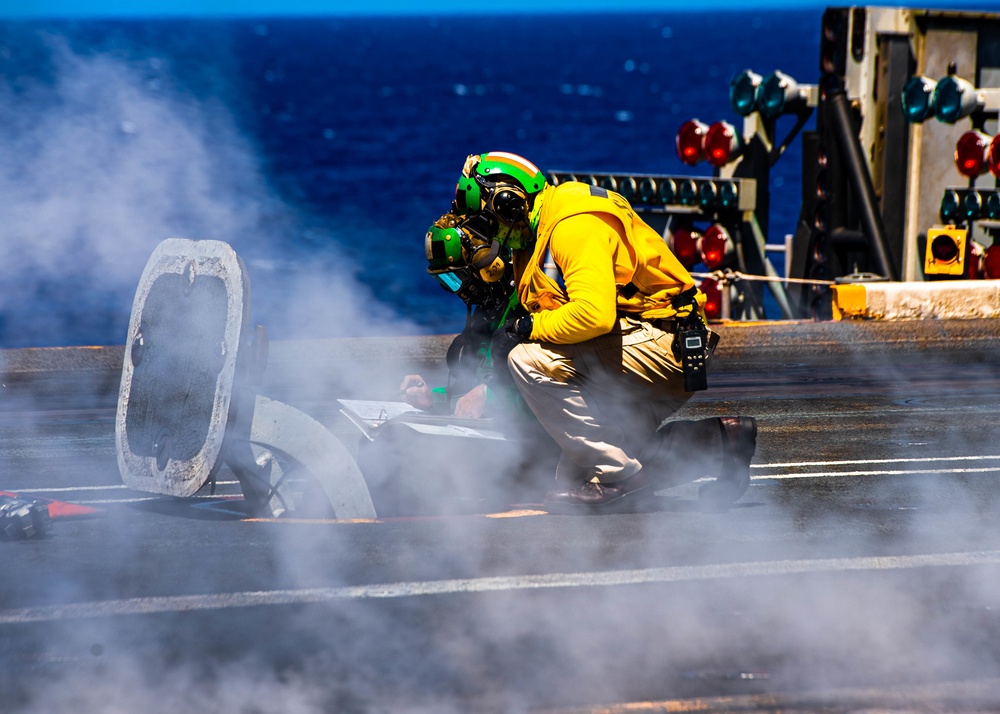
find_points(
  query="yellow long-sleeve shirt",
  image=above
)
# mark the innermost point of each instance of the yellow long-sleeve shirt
(582, 247)
(610, 262)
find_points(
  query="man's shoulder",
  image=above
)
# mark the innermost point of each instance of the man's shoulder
(577, 188)
(574, 197)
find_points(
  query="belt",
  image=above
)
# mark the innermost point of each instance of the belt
(666, 324)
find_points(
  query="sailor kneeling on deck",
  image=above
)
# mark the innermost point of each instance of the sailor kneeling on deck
(609, 341)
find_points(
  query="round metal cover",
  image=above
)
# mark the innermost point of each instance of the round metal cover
(189, 317)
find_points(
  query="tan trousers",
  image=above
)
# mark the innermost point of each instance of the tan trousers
(602, 399)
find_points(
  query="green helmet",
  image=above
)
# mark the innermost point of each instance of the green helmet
(443, 245)
(503, 185)
(455, 242)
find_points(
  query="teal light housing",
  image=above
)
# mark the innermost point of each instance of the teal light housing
(954, 98)
(964, 205)
(918, 99)
(729, 195)
(627, 188)
(647, 190)
(668, 191)
(972, 205)
(743, 92)
(950, 204)
(708, 194)
(777, 94)
(687, 192)
(993, 206)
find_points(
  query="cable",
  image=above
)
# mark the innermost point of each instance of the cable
(732, 275)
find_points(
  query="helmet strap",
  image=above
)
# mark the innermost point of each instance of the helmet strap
(483, 255)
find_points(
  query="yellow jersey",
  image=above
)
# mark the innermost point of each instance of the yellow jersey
(609, 261)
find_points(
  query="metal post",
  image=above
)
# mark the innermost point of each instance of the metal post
(777, 289)
(850, 150)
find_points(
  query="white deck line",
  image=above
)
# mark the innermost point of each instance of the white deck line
(674, 574)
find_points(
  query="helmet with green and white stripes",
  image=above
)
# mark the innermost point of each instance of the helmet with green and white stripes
(503, 185)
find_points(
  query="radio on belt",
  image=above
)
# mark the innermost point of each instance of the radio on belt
(693, 341)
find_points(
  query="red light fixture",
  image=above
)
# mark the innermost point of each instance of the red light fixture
(685, 244)
(716, 247)
(971, 153)
(722, 144)
(991, 262)
(691, 141)
(944, 249)
(993, 156)
(713, 298)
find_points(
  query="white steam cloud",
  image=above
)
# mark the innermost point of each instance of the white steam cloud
(104, 159)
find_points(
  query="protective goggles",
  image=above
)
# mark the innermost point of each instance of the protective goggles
(508, 203)
(454, 281)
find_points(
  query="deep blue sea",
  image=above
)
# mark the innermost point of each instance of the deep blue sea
(322, 148)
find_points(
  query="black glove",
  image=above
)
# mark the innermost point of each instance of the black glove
(519, 327)
(513, 332)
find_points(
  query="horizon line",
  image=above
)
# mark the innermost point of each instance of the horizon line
(315, 8)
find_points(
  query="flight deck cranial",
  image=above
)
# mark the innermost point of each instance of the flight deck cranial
(176, 398)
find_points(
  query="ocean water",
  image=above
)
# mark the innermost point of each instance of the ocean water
(322, 148)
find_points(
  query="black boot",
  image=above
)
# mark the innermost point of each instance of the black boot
(618, 497)
(739, 442)
(682, 451)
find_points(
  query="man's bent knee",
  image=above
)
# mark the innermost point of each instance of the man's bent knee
(522, 361)
(537, 362)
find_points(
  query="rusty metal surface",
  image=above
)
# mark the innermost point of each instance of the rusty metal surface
(179, 367)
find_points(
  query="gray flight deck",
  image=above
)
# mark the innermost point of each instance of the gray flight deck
(861, 571)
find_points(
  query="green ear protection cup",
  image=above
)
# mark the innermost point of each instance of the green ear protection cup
(443, 246)
(479, 239)
(451, 243)
(482, 256)
(468, 196)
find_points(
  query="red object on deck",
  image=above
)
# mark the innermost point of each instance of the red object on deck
(58, 509)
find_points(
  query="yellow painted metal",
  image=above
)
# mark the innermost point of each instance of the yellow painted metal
(849, 301)
(953, 266)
